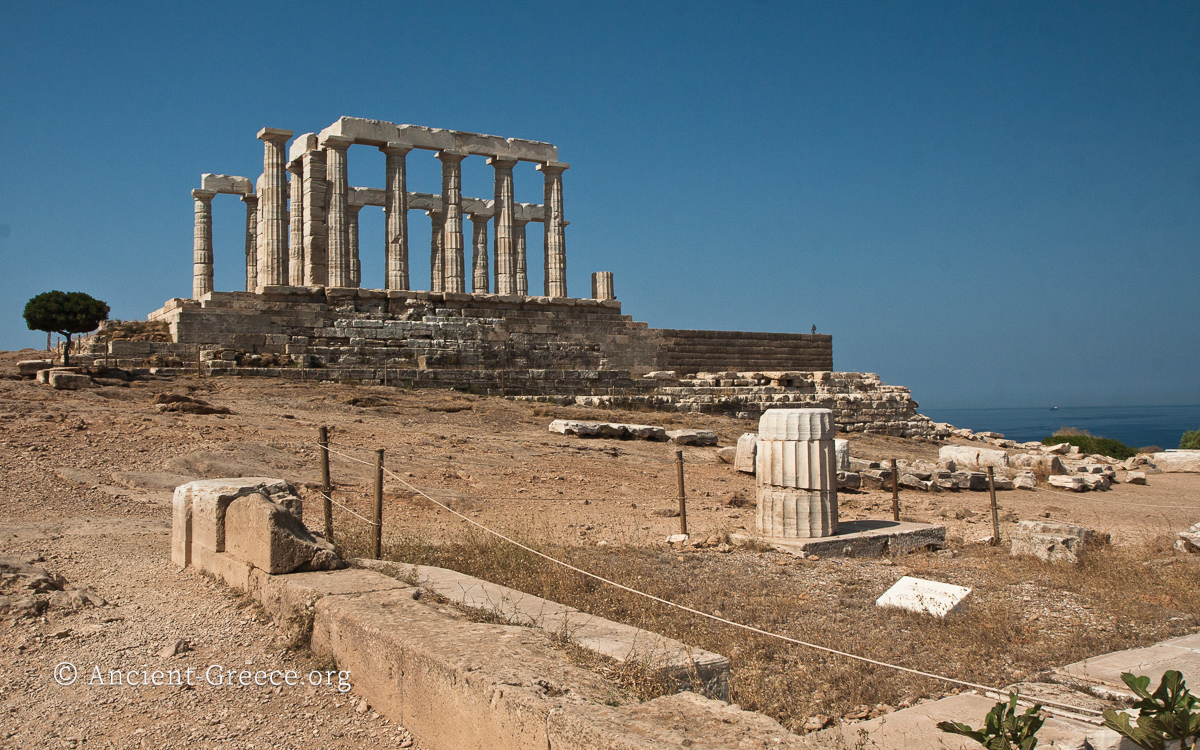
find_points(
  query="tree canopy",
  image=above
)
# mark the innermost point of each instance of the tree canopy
(65, 313)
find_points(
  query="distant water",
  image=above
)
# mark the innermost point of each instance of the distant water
(1136, 426)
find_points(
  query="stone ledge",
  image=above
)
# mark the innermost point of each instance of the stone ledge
(612, 639)
(864, 538)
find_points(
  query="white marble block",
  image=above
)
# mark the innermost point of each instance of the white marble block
(926, 597)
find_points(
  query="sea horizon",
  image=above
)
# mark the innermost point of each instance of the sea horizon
(1136, 426)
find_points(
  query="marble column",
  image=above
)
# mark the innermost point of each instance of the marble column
(251, 202)
(479, 253)
(602, 285)
(396, 217)
(337, 210)
(452, 247)
(352, 235)
(505, 250)
(272, 255)
(520, 270)
(796, 474)
(555, 243)
(316, 231)
(202, 244)
(296, 223)
(437, 237)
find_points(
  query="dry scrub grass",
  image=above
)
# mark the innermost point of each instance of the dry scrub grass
(1024, 616)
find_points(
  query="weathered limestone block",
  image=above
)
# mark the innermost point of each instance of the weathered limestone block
(1135, 477)
(972, 457)
(1096, 481)
(267, 536)
(797, 514)
(841, 450)
(800, 464)
(1025, 481)
(1189, 541)
(1047, 463)
(1051, 548)
(692, 437)
(1185, 461)
(198, 511)
(1073, 482)
(1083, 533)
(727, 455)
(747, 449)
(29, 367)
(69, 381)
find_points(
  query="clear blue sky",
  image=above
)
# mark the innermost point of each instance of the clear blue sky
(994, 204)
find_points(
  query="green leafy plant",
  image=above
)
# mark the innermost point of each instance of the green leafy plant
(1169, 714)
(1190, 440)
(1003, 728)
(65, 313)
(1091, 443)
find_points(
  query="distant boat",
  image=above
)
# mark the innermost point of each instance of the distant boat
(1053, 408)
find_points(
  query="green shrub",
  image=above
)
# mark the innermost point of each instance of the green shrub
(1003, 728)
(1190, 440)
(1092, 444)
(1168, 715)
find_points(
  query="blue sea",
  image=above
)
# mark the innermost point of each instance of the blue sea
(1136, 426)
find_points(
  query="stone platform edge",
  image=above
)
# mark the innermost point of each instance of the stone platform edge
(424, 664)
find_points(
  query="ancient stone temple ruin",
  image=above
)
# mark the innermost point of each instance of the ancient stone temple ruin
(304, 315)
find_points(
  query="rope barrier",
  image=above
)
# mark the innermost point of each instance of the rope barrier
(343, 507)
(994, 692)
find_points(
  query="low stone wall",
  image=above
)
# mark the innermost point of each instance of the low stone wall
(451, 682)
(686, 351)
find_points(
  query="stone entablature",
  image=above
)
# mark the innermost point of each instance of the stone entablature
(302, 215)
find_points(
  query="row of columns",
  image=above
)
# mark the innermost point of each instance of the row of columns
(316, 242)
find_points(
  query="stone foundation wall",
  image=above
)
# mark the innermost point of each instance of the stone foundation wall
(711, 351)
(550, 349)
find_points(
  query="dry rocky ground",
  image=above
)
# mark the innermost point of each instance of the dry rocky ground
(86, 478)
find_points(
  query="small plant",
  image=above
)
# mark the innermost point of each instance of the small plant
(1171, 714)
(1190, 440)
(1003, 728)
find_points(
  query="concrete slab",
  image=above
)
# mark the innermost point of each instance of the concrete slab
(925, 597)
(1102, 674)
(863, 538)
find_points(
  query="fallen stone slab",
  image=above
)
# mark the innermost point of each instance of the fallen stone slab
(925, 597)
(1073, 483)
(841, 450)
(1045, 463)
(1096, 481)
(1057, 449)
(1052, 548)
(1135, 477)
(1189, 540)
(1184, 461)
(972, 457)
(28, 368)
(1025, 481)
(727, 455)
(747, 448)
(692, 437)
(69, 381)
(608, 430)
(1083, 533)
